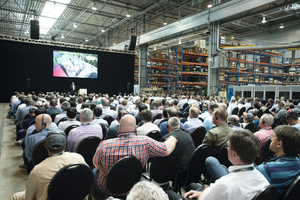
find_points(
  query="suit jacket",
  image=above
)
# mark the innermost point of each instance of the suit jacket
(71, 87)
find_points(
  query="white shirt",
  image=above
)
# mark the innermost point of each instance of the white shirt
(66, 124)
(230, 108)
(190, 125)
(98, 120)
(247, 105)
(146, 128)
(59, 116)
(205, 115)
(241, 185)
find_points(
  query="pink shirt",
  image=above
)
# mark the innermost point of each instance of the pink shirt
(263, 136)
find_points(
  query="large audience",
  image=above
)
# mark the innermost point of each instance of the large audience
(122, 122)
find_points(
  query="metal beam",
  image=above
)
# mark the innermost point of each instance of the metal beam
(224, 11)
(283, 46)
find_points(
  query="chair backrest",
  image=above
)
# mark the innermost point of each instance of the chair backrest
(123, 175)
(31, 123)
(260, 113)
(235, 111)
(251, 127)
(155, 135)
(164, 169)
(250, 108)
(266, 153)
(62, 120)
(223, 156)
(163, 120)
(292, 193)
(268, 192)
(87, 148)
(241, 111)
(105, 129)
(158, 116)
(69, 128)
(184, 106)
(109, 119)
(197, 163)
(39, 153)
(198, 135)
(53, 116)
(72, 182)
(141, 123)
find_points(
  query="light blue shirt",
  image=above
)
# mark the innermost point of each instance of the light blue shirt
(208, 124)
(190, 125)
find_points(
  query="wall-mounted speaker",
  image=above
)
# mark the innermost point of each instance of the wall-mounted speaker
(34, 29)
(132, 43)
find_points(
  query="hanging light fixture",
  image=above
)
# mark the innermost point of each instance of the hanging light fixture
(62, 36)
(74, 25)
(281, 25)
(102, 30)
(86, 40)
(210, 5)
(154, 48)
(264, 20)
(94, 7)
(114, 43)
(165, 23)
(26, 32)
(179, 41)
(128, 15)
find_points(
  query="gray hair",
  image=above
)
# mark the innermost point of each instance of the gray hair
(65, 105)
(268, 119)
(174, 122)
(146, 190)
(277, 101)
(86, 115)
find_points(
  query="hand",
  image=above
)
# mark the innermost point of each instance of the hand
(192, 194)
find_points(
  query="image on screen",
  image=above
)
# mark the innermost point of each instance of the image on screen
(75, 65)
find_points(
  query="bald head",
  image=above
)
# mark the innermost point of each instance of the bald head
(39, 121)
(127, 124)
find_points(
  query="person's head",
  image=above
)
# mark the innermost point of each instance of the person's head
(65, 106)
(146, 115)
(285, 141)
(121, 113)
(263, 102)
(141, 107)
(193, 112)
(86, 115)
(127, 124)
(233, 120)
(85, 105)
(165, 113)
(55, 141)
(31, 111)
(256, 105)
(243, 147)
(253, 112)
(266, 121)
(291, 117)
(146, 190)
(97, 111)
(172, 112)
(281, 105)
(105, 102)
(146, 100)
(175, 102)
(232, 99)
(282, 98)
(173, 123)
(291, 106)
(92, 106)
(220, 116)
(40, 110)
(42, 121)
(80, 99)
(212, 106)
(30, 102)
(72, 113)
(248, 118)
(73, 104)
(156, 103)
(53, 103)
(124, 103)
(72, 83)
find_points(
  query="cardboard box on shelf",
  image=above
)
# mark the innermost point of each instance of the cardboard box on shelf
(222, 78)
(241, 79)
(156, 54)
(297, 60)
(280, 71)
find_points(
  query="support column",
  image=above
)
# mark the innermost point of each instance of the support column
(143, 29)
(143, 66)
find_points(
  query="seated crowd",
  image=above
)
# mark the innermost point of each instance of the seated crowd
(123, 123)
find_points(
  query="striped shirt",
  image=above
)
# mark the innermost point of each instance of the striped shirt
(127, 144)
(280, 172)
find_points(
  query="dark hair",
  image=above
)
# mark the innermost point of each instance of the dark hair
(141, 107)
(71, 112)
(245, 144)
(291, 115)
(146, 115)
(121, 113)
(156, 103)
(85, 105)
(175, 102)
(165, 112)
(163, 101)
(73, 104)
(290, 137)
(40, 110)
(281, 104)
(264, 102)
(97, 111)
(92, 106)
(173, 112)
(256, 105)
(212, 106)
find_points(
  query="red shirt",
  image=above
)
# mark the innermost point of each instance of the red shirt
(127, 144)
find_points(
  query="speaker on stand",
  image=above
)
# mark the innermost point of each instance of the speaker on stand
(132, 43)
(34, 29)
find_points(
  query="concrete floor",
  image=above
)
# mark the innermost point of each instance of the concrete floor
(12, 177)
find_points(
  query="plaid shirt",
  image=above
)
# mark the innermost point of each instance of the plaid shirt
(127, 144)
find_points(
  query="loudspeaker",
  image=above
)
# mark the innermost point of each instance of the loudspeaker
(129, 87)
(34, 29)
(28, 84)
(132, 43)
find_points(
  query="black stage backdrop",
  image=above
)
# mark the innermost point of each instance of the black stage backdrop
(21, 61)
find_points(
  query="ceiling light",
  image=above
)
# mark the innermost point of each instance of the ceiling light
(86, 40)
(128, 15)
(232, 37)
(102, 30)
(209, 5)
(31, 18)
(62, 36)
(179, 41)
(154, 48)
(264, 20)
(281, 25)
(26, 32)
(165, 23)
(52, 13)
(94, 7)
(74, 25)
(114, 43)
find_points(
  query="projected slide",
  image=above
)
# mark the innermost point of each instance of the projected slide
(75, 65)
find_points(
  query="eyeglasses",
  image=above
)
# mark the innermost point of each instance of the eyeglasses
(226, 146)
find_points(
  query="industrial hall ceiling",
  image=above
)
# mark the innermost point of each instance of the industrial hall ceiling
(104, 23)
